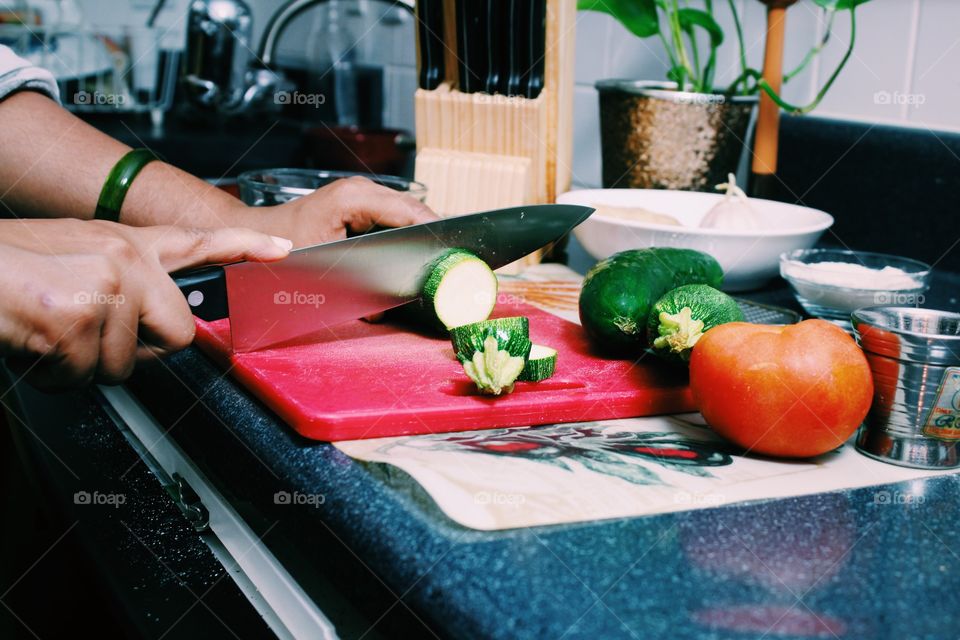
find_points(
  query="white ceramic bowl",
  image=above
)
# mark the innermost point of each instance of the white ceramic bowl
(749, 258)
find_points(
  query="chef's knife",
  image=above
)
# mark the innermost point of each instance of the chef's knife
(317, 287)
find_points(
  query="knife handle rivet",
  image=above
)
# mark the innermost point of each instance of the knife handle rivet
(195, 298)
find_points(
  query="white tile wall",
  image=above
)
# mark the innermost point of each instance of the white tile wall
(935, 76)
(880, 61)
(586, 136)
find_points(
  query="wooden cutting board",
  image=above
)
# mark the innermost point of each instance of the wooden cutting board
(373, 380)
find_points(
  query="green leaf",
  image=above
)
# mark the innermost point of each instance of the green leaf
(690, 18)
(638, 16)
(676, 74)
(838, 5)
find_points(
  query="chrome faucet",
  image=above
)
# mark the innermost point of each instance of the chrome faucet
(218, 51)
(289, 11)
(219, 72)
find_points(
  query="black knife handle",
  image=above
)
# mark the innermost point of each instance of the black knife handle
(537, 49)
(495, 18)
(205, 290)
(472, 62)
(512, 83)
(430, 34)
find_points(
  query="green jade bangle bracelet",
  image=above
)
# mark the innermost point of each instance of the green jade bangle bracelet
(118, 183)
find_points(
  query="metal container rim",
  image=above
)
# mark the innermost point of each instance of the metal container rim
(668, 91)
(253, 180)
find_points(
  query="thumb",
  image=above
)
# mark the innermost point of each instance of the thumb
(182, 248)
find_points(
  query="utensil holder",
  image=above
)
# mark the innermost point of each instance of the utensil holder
(479, 151)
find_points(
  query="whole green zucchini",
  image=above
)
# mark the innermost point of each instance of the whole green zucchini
(619, 292)
(682, 315)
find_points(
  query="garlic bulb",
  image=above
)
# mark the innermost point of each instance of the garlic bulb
(734, 211)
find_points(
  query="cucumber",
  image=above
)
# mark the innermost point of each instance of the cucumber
(493, 369)
(619, 292)
(682, 315)
(541, 364)
(511, 334)
(459, 289)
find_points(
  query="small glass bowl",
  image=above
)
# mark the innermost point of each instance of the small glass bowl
(836, 300)
(268, 187)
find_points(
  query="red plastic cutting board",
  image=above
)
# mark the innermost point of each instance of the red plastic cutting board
(376, 380)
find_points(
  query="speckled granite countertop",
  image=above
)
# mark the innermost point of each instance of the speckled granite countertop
(863, 563)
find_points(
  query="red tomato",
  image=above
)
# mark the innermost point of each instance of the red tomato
(793, 391)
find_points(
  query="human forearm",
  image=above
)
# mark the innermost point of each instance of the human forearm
(53, 165)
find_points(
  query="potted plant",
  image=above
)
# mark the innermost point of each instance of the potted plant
(685, 132)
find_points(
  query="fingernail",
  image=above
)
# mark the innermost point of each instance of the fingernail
(282, 242)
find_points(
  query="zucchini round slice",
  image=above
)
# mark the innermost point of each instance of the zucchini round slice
(541, 363)
(460, 289)
(512, 335)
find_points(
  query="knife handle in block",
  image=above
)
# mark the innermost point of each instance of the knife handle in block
(471, 27)
(206, 292)
(537, 43)
(517, 62)
(496, 20)
(430, 48)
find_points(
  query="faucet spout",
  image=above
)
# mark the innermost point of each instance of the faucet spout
(285, 15)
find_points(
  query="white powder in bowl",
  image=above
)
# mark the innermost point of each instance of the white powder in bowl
(848, 286)
(853, 276)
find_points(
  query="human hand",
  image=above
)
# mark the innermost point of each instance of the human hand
(356, 204)
(83, 301)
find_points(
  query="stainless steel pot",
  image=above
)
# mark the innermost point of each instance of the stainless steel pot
(655, 137)
(914, 355)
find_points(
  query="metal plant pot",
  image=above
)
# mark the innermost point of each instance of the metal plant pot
(655, 137)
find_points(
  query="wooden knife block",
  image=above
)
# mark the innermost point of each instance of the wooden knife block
(478, 151)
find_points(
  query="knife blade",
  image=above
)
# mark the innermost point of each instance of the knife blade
(318, 287)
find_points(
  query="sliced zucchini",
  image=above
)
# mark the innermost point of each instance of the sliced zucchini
(493, 369)
(682, 315)
(541, 363)
(512, 335)
(460, 289)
